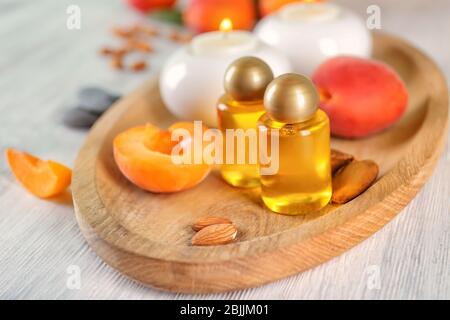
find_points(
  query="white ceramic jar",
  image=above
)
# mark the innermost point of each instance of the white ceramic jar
(310, 33)
(191, 81)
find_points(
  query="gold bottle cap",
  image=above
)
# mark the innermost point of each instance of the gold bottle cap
(247, 78)
(291, 98)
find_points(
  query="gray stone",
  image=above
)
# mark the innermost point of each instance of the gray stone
(95, 100)
(79, 118)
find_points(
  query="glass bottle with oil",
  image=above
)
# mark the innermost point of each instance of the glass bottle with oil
(302, 183)
(239, 109)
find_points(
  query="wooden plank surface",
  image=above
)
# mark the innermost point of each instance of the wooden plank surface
(42, 64)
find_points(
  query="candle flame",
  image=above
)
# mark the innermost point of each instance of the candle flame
(226, 25)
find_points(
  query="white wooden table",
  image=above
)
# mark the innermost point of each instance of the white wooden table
(42, 64)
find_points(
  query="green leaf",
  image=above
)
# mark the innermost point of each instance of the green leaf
(173, 16)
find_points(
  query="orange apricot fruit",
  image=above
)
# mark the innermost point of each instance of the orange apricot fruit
(44, 179)
(269, 6)
(144, 156)
(206, 15)
(149, 5)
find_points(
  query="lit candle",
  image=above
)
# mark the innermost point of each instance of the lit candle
(192, 79)
(310, 33)
(224, 42)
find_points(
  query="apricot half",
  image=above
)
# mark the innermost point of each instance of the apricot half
(44, 179)
(144, 156)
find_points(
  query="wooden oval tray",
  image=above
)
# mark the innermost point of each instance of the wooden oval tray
(147, 236)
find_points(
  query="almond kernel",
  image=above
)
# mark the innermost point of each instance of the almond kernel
(116, 63)
(217, 234)
(209, 221)
(139, 66)
(353, 180)
(339, 159)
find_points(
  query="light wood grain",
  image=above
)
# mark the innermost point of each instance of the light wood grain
(146, 236)
(43, 64)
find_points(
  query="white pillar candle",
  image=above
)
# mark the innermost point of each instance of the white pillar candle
(224, 42)
(310, 33)
(192, 79)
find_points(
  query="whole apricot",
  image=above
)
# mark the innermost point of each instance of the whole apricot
(206, 15)
(360, 96)
(269, 6)
(149, 5)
